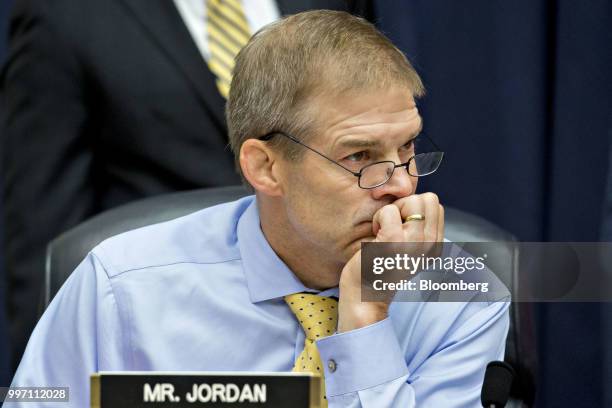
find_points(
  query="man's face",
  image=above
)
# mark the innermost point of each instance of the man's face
(325, 205)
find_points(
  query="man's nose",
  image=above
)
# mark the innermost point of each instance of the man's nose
(401, 184)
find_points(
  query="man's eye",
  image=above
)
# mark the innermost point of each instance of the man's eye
(357, 157)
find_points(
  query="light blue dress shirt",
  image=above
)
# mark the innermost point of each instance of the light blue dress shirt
(205, 292)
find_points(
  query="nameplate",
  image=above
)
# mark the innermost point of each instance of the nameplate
(210, 389)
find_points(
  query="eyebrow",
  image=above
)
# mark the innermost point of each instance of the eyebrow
(359, 143)
(355, 142)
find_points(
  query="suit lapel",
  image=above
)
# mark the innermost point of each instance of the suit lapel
(162, 22)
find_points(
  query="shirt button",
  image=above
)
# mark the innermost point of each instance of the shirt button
(331, 365)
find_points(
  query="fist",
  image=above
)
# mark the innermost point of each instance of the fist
(389, 224)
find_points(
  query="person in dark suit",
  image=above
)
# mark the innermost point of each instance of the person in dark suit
(104, 102)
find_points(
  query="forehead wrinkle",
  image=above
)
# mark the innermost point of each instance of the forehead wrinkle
(348, 117)
(351, 135)
(356, 121)
(342, 114)
(389, 117)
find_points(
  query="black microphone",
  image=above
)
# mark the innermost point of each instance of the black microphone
(496, 385)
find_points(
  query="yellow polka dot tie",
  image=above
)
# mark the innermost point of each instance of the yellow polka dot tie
(228, 31)
(318, 316)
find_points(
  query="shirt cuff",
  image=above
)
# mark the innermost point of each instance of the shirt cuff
(361, 358)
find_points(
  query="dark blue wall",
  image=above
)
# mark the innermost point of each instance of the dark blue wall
(520, 97)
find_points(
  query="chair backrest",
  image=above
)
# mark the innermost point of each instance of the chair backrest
(66, 251)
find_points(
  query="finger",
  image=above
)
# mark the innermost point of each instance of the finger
(409, 205)
(431, 207)
(414, 229)
(440, 237)
(387, 224)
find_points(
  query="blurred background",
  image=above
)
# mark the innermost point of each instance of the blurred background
(519, 96)
(5, 372)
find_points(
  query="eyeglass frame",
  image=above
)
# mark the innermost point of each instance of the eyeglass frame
(271, 134)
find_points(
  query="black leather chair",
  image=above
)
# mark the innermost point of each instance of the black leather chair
(66, 251)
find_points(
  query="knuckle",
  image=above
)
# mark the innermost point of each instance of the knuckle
(412, 202)
(431, 198)
(388, 209)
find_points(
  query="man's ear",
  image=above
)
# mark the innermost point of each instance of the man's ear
(260, 167)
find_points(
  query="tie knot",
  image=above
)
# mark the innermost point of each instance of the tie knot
(318, 315)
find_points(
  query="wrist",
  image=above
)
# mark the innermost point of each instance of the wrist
(355, 315)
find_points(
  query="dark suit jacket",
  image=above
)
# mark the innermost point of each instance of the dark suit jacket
(103, 102)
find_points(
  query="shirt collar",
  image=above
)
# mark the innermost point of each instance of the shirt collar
(267, 276)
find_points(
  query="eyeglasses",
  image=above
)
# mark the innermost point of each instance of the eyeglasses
(376, 174)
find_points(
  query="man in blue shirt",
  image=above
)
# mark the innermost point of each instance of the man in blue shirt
(323, 122)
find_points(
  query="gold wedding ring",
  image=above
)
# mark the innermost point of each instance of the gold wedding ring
(415, 217)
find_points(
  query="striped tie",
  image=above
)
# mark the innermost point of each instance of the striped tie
(228, 32)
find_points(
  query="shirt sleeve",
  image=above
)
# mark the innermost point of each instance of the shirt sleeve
(367, 367)
(79, 334)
